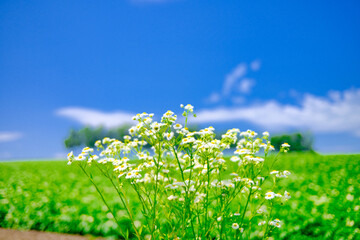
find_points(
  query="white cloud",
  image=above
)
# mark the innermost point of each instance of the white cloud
(246, 85)
(232, 77)
(10, 136)
(336, 113)
(255, 65)
(236, 81)
(213, 98)
(95, 118)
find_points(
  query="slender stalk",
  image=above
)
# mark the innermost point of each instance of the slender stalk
(103, 199)
(155, 194)
(207, 194)
(247, 202)
(267, 224)
(123, 200)
(127, 207)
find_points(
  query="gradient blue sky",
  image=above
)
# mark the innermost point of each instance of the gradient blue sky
(268, 65)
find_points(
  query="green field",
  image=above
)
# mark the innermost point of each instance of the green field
(51, 196)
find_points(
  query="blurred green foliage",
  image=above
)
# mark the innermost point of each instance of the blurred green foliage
(52, 196)
(87, 136)
(298, 141)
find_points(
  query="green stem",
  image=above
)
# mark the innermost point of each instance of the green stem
(247, 202)
(267, 224)
(103, 199)
(124, 202)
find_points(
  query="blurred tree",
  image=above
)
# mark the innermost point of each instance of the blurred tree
(297, 141)
(73, 140)
(88, 135)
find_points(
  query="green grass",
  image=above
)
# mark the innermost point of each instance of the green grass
(51, 196)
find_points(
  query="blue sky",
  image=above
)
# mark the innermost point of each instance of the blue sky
(267, 65)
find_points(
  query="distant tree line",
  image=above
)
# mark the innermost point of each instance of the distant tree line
(298, 142)
(88, 135)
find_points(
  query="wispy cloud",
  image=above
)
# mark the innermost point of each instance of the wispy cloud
(338, 112)
(236, 83)
(95, 118)
(246, 85)
(213, 98)
(10, 136)
(255, 65)
(232, 78)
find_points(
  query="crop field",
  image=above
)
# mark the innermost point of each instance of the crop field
(51, 196)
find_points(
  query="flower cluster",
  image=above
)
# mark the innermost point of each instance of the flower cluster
(187, 187)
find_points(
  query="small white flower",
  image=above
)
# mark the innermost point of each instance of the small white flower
(93, 158)
(269, 195)
(87, 150)
(70, 156)
(189, 107)
(262, 223)
(168, 136)
(242, 151)
(285, 145)
(263, 145)
(187, 140)
(172, 197)
(106, 140)
(266, 134)
(129, 175)
(286, 173)
(259, 211)
(287, 195)
(182, 184)
(235, 226)
(98, 143)
(252, 134)
(177, 126)
(234, 159)
(276, 223)
(122, 167)
(80, 157)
